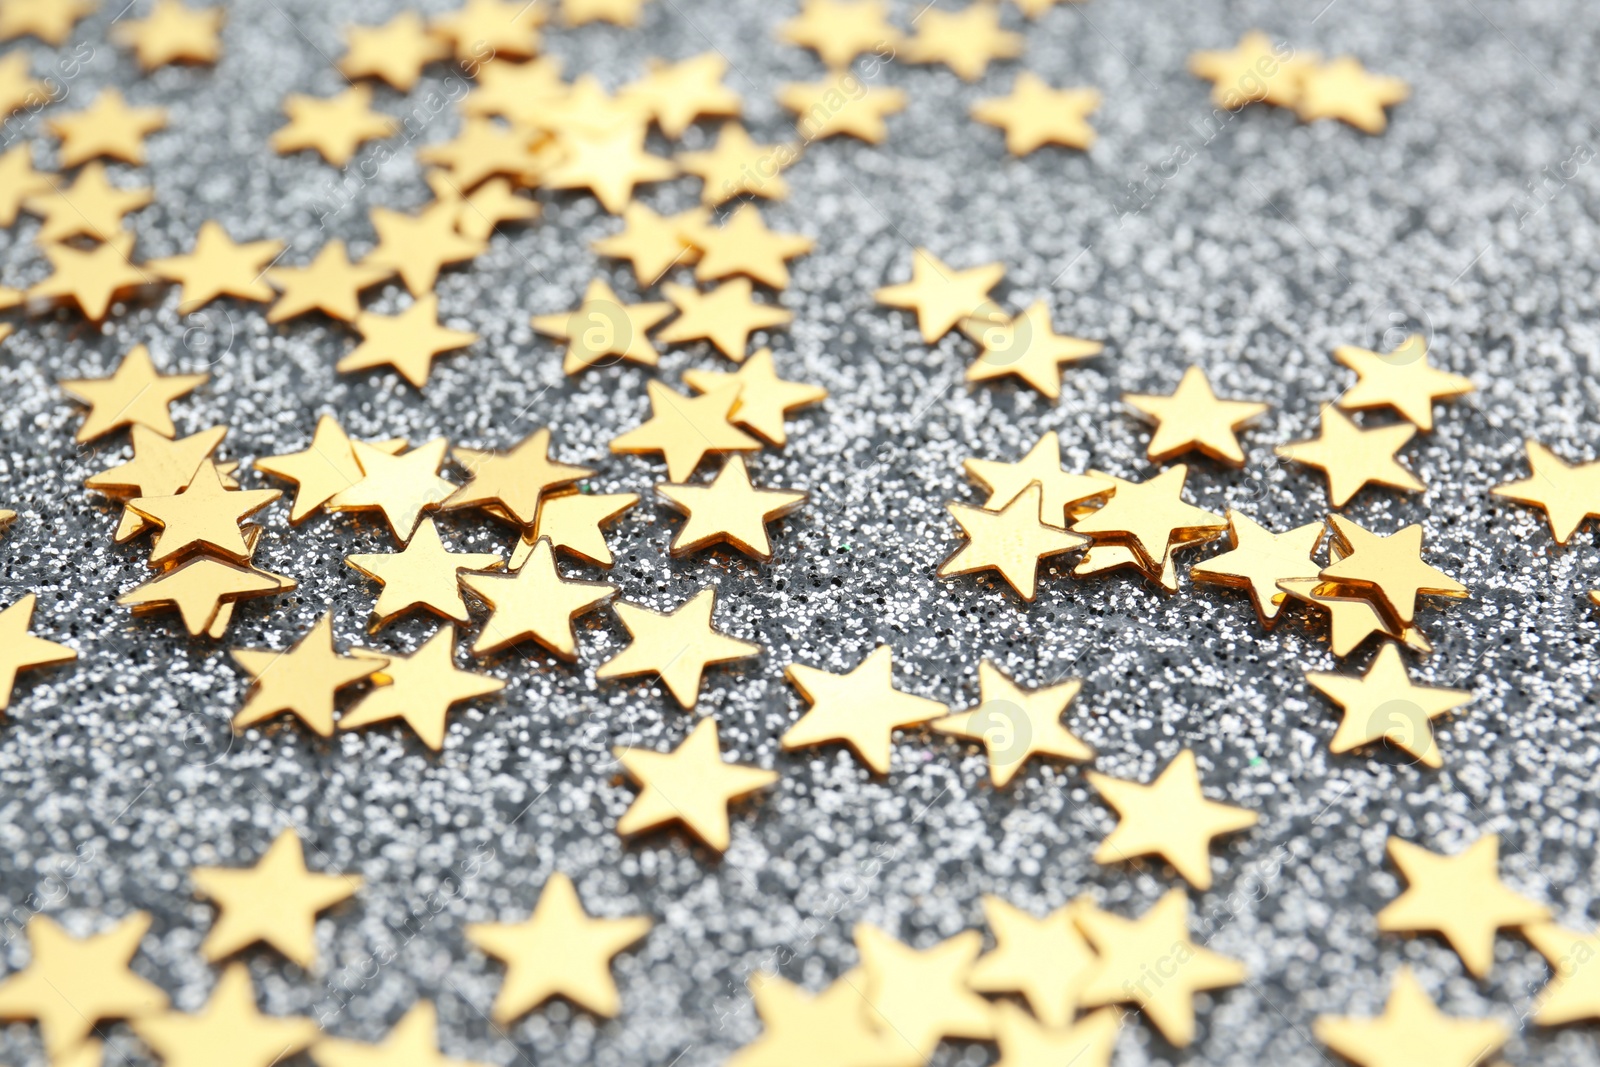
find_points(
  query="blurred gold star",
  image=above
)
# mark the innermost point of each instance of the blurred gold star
(1042, 464)
(737, 166)
(18, 180)
(1568, 493)
(685, 430)
(301, 680)
(1016, 724)
(729, 510)
(409, 342)
(1343, 89)
(1573, 992)
(1046, 960)
(1384, 705)
(840, 30)
(49, 20)
(616, 12)
(1411, 1030)
(1352, 617)
(1194, 419)
(421, 575)
(421, 689)
(676, 94)
(609, 163)
(1013, 541)
(228, 1030)
(1402, 380)
(676, 646)
(834, 1026)
(401, 486)
(275, 902)
(651, 243)
(489, 29)
(481, 212)
(92, 279)
(333, 126)
(174, 33)
(691, 785)
(1353, 457)
(412, 1043)
(108, 127)
(825, 109)
(861, 708)
(417, 246)
(764, 398)
(603, 329)
(1254, 70)
(966, 41)
(89, 207)
(21, 651)
(535, 602)
(481, 150)
(1035, 114)
(136, 394)
(18, 86)
(219, 267)
(1088, 1042)
(396, 51)
(941, 295)
(1026, 346)
(726, 316)
(517, 92)
(330, 284)
(744, 245)
(923, 996)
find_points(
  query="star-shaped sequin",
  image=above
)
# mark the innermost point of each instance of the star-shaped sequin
(1343, 89)
(730, 510)
(1013, 541)
(744, 245)
(1035, 114)
(1258, 559)
(396, 51)
(691, 785)
(1254, 71)
(676, 94)
(726, 316)
(684, 430)
(1016, 724)
(91, 278)
(1410, 1031)
(534, 602)
(677, 646)
(764, 398)
(966, 41)
(301, 681)
(422, 575)
(417, 246)
(603, 330)
(653, 244)
(1061, 490)
(229, 1029)
(20, 650)
(1193, 419)
(1402, 380)
(135, 395)
(106, 128)
(822, 110)
(174, 33)
(1389, 565)
(217, 266)
(412, 1043)
(402, 487)
(89, 207)
(275, 902)
(840, 30)
(1353, 457)
(608, 163)
(737, 166)
(1384, 705)
(409, 342)
(861, 709)
(421, 689)
(1026, 346)
(941, 295)
(330, 284)
(1568, 493)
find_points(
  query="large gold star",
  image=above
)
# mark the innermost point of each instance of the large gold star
(966, 41)
(764, 398)
(1252, 71)
(1384, 705)
(737, 166)
(18, 180)
(824, 109)
(1193, 419)
(409, 342)
(1035, 114)
(691, 785)
(230, 1029)
(89, 207)
(651, 243)
(1015, 724)
(72, 983)
(1046, 960)
(481, 150)
(1259, 559)
(834, 1027)
(1402, 380)
(330, 284)
(744, 245)
(573, 522)
(675, 94)
(159, 466)
(322, 470)
(412, 1043)
(49, 20)
(730, 510)
(417, 246)
(1573, 993)
(203, 517)
(135, 395)
(513, 481)
(1352, 457)
(275, 902)
(1151, 516)
(174, 33)
(535, 602)
(334, 126)
(395, 51)
(204, 590)
(1569, 493)
(422, 575)
(20, 650)
(676, 646)
(602, 330)
(725, 316)
(685, 430)
(840, 30)
(1131, 951)
(219, 267)
(492, 28)
(421, 689)
(108, 127)
(302, 680)
(1026, 346)
(1088, 1042)
(91, 278)
(402, 486)
(861, 708)
(1389, 565)
(1459, 897)
(1410, 1031)
(1042, 464)
(1343, 89)
(1012, 541)
(941, 295)
(608, 163)
(923, 996)
(557, 951)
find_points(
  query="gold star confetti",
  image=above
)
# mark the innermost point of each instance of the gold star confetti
(616, 12)
(135, 395)
(609, 164)
(535, 602)
(19, 88)
(861, 709)
(691, 785)
(18, 180)
(301, 681)
(481, 212)
(323, 470)
(1391, 565)
(966, 41)
(1012, 541)
(1088, 1042)
(941, 295)
(1110, 556)
(1402, 380)
(603, 329)
(1042, 464)
(174, 33)
(422, 575)
(1352, 457)
(829, 109)
(417, 246)
(401, 486)
(675, 94)
(1569, 493)
(480, 151)
(685, 430)
(229, 1029)
(573, 522)
(1035, 114)
(91, 279)
(396, 52)
(764, 398)
(409, 342)
(1411, 1030)
(923, 996)
(1255, 70)
(412, 1043)
(1193, 419)
(1384, 705)
(490, 29)
(834, 1027)
(840, 30)
(676, 646)
(108, 127)
(1026, 346)
(1259, 559)
(725, 316)
(89, 207)
(651, 243)
(421, 689)
(204, 517)
(1046, 960)
(1131, 949)
(737, 166)
(203, 591)
(330, 284)
(72, 983)
(1459, 897)
(49, 20)
(558, 951)
(744, 245)
(1151, 516)
(729, 510)
(585, 108)
(275, 902)
(513, 481)
(1352, 618)
(219, 267)
(20, 650)
(517, 92)
(1572, 994)
(1015, 724)
(160, 466)
(1343, 89)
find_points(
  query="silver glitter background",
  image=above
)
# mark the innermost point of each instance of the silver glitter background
(1254, 253)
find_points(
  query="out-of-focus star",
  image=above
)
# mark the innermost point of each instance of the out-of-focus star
(412, 1043)
(481, 150)
(302, 680)
(923, 997)
(333, 126)
(676, 94)
(616, 12)
(764, 398)
(860, 708)
(49, 20)
(1088, 1042)
(18, 86)
(1402, 380)
(534, 602)
(136, 394)
(395, 51)
(417, 246)
(1016, 724)
(1026, 346)
(744, 245)
(1343, 89)
(684, 430)
(322, 470)
(401, 486)
(409, 342)
(1410, 1031)
(1390, 565)
(1573, 993)
(19, 181)
(691, 785)
(1352, 457)
(1259, 559)
(676, 646)
(1252, 71)
(1384, 705)
(229, 1029)
(219, 267)
(729, 510)
(822, 110)
(90, 207)
(726, 316)
(1194, 419)
(275, 902)
(834, 1027)
(1035, 114)
(1042, 464)
(603, 330)
(20, 650)
(422, 575)
(1046, 960)
(421, 689)
(1012, 541)
(966, 41)
(174, 33)
(609, 164)
(330, 284)
(92, 279)
(481, 212)
(484, 30)
(517, 92)
(737, 166)
(108, 127)
(651, 243)
(1569, 493)
(941, 295)
(840, 30)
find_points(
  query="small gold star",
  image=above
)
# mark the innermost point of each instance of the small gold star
(572, 521)
(1459, 897)
(1015, 724)
(1343, 89)
(1035, 114)
(203, 517)
(20, 650)
(923, 996)
(1088, 1042)
(160, 467)
(1012, 541)
(1390, 565)
(558, 951)
(1254, 70)
(730, 510)
(1402, 380)
(1572, 994)
(324, 469)
(421, 689)
(219, 267)
(108, 127)
(676, 94)
(1384, 705)
(941, 295)
(89, 207)
(333, 126)
(412, 1043)
(725, 316)
(1259, 559)
(135, 395)
(838, 31)
(651, 243)
(764, 398)
(1352, 457)
(1150, 516)
(514, 481)
(744, 245)
(737, 166)
(1042, 464)
(1193, 419)
(409, 342)
(72, 983)
(603, 329)
(616, 12)
(417, 246)
(1352, 617)
(174, 33)
(228, 1030)
(481, 150)
(301, 681)
(1026, 346)
(395, 51)
(585, 108)
(966, 41)
(18, 180)
(91, 279)
(534, 601)
(824, 109)
(401, 486)
(1046, 960)
(517, 92)
(330, 284)
(677, 646)
(861, 708)
(685, 430)
(691, 785)
(481, 212)
(492, 28)
(49, 20)
(204, 590)
(1569, 493)
(834, 1026)
(1411, 1030)
(422, 575)
(275, 902)
(609, 163)
(18, 87)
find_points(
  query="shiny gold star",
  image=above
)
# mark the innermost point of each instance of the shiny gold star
(174, 33)
(651, 243)
(676, 94)
(1193, 419)
(330, 284)
(1258, 559)
(730, 510)
(1352, 617)
(861, 708)
(422, 575)
(517, 92)
(1569, 493)
(481, 150)
(1254, 70)
(203, 517)
(1389, 565)
(535, 602)
(18, 180)
(18, 87)
(737, 166)
(603, 329)
(923, 996)
(513, 481)
(840, 30)
(825, 109)
(941, 295)
(135, 395)
(691, 785)
(321, 471)
(333, 126)
(412, 1043)
(1042, 464)
(1046, 960)
(1106, 557)
(409, 342)
(1384, 705)
(219, 267)
(1410, 1031)
(558, 951)
(835, 1026)
(726, 316)
(616, 12)
(1352, 457)
(1035, 114)
(91, 279)
(573, 521)
(1573, 993)
(109, 128)
(275, 902)
(1402, 380)
(1026, 346)
(421, 689)
(395, 51)
(49, 20)
(676, 646)
(764, 398)
(608, 163)
(302, 680)
(401, 486)
(685, 430)
(1343, 89)
(585, 108)
(966, 41)
(481, 212)
(1088, 1042)
(228, 1030)
(1012, 541)
(417, 246)
(1151, 515)
(1131, 950)
(744, 245)
(492, 28)
(203, 592)
(72, 983)
(89, 207)
(20, 650)
(1015, 724)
